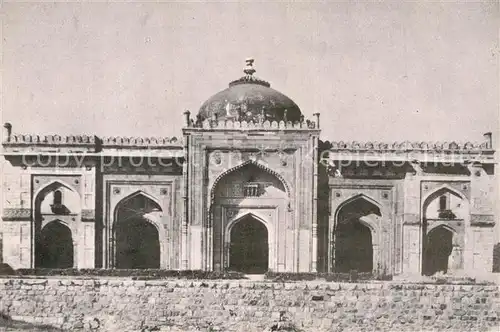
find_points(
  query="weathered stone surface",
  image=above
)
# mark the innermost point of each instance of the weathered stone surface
(124, 305)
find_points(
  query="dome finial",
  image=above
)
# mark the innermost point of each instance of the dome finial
(249, 70)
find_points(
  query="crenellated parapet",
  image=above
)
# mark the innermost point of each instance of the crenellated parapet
(141, 142)
(414, 152)
(29, 139)
(252, 125)
(408, 146)
(89, 144)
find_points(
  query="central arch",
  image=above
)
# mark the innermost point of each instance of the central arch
(249, 246)
(253, 190)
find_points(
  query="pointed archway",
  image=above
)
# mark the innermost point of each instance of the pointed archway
(248, 200)
(353, 250)
(136, 238)
(249, 246)
(55, 246)
(444, 213)
(56, 207)
(439, 245)
(354, 237)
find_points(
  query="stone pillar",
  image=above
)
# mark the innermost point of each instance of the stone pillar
(196, 257)
(85, 243)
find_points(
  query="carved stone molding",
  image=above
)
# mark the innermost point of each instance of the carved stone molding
(88, 215)
(482, 220)
(13, 214)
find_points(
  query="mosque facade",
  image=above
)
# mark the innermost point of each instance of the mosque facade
(249, 187)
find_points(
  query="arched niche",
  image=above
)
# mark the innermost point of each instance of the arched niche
(54, 246)
(249, 180)
(445, 203)
(445, 214)
(138, 239)
(57, 198)
(356, 236)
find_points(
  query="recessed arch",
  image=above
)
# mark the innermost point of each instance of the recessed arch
(357, 197)
(138, 238)
(355, 234)
(242, 215)
(440, 242)
(136, 194)
(248, 238)
(70, 199)
(248, 162)
(54, 246)
(438, 192)
(52, 186)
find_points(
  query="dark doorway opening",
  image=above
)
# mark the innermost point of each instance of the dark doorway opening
(55, 247)
(249, 251)
(437, 251)
(353, 250)
(137, 245)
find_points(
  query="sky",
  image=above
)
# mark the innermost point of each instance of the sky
(384, 71)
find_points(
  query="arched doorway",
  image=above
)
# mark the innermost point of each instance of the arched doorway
(439, 245)
(55, 246)
(353, 250)
(137, 243)
(353, 237)
(237, 194)
(249, 248)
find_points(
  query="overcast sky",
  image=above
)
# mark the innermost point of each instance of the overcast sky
(380, 71)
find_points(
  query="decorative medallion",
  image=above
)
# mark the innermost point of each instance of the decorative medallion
(230, 213)
(338, 194)
(216, 158)
(385, 195)
(116, 191)
(163, 191)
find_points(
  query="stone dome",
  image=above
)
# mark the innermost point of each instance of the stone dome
(250, 99)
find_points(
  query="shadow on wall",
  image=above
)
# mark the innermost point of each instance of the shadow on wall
(496, 257)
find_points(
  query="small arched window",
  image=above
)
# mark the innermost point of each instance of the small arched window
(57, 198)
(443, 202)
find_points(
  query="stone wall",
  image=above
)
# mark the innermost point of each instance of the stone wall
(183, 305)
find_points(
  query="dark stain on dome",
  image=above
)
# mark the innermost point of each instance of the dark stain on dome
(250, 99)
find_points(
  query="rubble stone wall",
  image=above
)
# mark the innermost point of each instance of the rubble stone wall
(118, 304)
